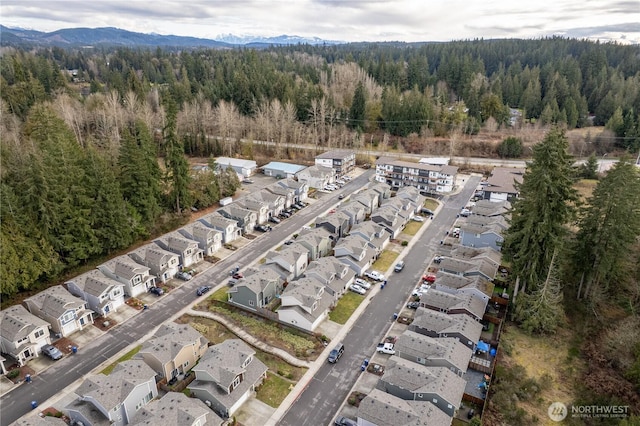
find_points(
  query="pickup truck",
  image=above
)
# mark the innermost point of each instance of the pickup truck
(386, 348)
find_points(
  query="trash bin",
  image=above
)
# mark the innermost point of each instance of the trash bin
(74, 349)
(492, 352)
(366, 362)
(27, 378)
(395, 316)
(382, 286)
(34, 404)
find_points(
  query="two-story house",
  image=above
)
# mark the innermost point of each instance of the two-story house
(136, 277)
(335, 275)
(443, 352)
(355, 253)
(161, 263)
(502, 184)
(484, 268)
(415, 382)
(317, 176)
(229, 227)
(412, 194)
(483, 231)
(173, 350)
(291, 260)
(374, 234)
(391, 219)
(103, 294)
(304, 304)
(256, 289)
(209, 239)
(337, 224)
(318, 241)
(439, 324)
(300, 189)
(176, 408)
(65, 312)
(454, 302)
(226, 376)
(489, 208)
(245, 218)
(22, 334)
(355, 211)
(189, 251)
(370, 200)
(258, 207)
(381, 408)
(114, 399)
(274, 202)
(458, 284)
(288, 194)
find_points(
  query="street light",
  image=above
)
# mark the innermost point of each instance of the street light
(601, 163)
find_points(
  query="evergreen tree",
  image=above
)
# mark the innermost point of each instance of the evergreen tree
(589, 170)
(177, 165)
(511, 147)
(358, 108)
(609, 225)
(545, 205)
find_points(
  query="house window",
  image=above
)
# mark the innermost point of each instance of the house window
(69, 316)
(24, 339)
(236, 382)
(251, 302)
(39, 333)
(185, 364)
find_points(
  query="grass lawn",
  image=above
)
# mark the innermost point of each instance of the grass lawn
(273, 390)
(412, 228)
(431, 204)
(124, 357)
(220, 295)
(345, 307)
(386, 259)
(278, 365)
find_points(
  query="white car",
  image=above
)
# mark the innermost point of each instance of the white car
(418, 219)
(362, 283)
(357, 289)
(375, 275)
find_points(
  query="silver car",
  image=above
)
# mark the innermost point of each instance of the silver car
(52, 352)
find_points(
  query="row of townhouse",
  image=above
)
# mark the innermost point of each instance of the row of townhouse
(308, 276)
(486, 225)
(429, 178)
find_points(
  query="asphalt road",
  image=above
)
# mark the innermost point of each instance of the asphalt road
(320, 401)
(65, 372)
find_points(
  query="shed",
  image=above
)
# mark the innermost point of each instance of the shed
(282, 170)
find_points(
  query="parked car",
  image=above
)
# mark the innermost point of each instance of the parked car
(232, 282)
(375, 275)
(345, 421)
(288, 242)
(357, 289)
(247, 180)
(438, 259)
(237, 275)
(465, 212)
(184, 276)
(52, 352)
(399, 266)
(418, 219)
(362, 283)
(386, 348)
(336, 353)
(429, 278)
(341, 196)
(284, 215)
(262, 228)
(288, 211)
(202, 290)
(274, 219)
(296, 207)
(156, 290)
(413, 305)
(426, 211)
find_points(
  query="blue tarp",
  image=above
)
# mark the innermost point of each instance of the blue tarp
(483, 346)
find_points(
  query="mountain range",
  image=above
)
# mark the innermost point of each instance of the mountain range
(108, 36)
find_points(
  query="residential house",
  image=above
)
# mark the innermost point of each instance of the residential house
(226, 376)
(162, 263)
(189, 250)
(355, 212)
(173, 350)
(336, 223)
(438, 325)
(412, 194)
(305, 304)
(256, 289)
(103, 294)
(281, 170)
(474, 254)
(65, 312)
(379, 408)
(501, 185)
(300, 189)
(114, 399)
(22, 334)
(454, 302)
(292, 259)
(176, 408)
(244, 168)
(477, 286)
(275, 202)
(415, 382)
(245, 218)
(355, 253)
(405, 207)
(228, 227)
(335, 275)
(135, 276)
(36, 420)
(209, 239)
(288, 194)
(443, 352)
(341, 160)
(374, 234)
(392, 220)
(469, 268)
(487, 234)
(427, 178)
(369, 199)
(382, 189)
(317, 176)
(259, 207)
(318, 242)
(490, 208)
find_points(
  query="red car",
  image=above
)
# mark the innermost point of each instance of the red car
(429, 278)
(237, 275)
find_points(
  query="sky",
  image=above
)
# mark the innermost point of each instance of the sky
(339, 20)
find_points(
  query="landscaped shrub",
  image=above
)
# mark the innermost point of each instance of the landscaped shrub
(13, 374)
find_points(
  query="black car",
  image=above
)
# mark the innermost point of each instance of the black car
(202, 290)
(345, 421)
(284, 215)
(274, 219)
(413, 305)
(262, 228)
(296, 207)
(426, 211)
(288, 242)
(289, 211)
(156, 290)
(336, 353)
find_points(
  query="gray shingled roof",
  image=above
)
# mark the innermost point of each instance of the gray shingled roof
(55, 301)
(491, 208)
(460, 282)
(305, 290)
(336, 153)
(441, 323)
(175, 409)
(16, 322)
(95, 283)
(217, 220)
(125, 267)
(170, 339)
(418, 378)
(444, 348)
(446, 302)
(502, 179)
(383, 409)
(477, 253)
(39, 421)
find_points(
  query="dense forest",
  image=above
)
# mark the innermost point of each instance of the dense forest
(93, 139)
